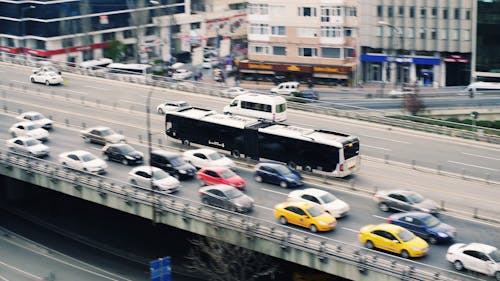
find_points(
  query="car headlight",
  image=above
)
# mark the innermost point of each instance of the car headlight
(322, 223)
(425, 210)
(182, 171)
(415, 248)
(129, 157)
(238, 204)
(442, 234)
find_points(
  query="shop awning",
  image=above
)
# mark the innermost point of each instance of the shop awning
(330, 75)
(256, 71)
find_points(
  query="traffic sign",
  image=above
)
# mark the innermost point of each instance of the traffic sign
(160, 269)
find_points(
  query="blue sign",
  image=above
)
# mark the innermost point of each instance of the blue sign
(160, 269)
(401, 59)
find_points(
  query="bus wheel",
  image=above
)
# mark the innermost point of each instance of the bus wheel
(292, 165)
(235, 153)
(307, 168)
(185, 142)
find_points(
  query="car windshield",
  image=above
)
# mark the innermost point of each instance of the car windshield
(36, 117)
(406, 235)
(233, 193)
(176, 161)
(415, 198)
(283, 170)
(431, 221)
(328, 197)
(32, 142)
(159, 174)
(88, 157)
(126, 149)
(315, 211)
(107, 132)
(227, 174)
(32, 127)
(495, 255)
(183, 104)
(214, 156)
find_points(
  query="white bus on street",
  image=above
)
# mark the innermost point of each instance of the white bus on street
(267, 107)
(98, 64)
(133, 71)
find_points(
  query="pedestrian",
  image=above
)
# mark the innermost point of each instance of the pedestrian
(200, 75)
(310, 83)
(196, 76)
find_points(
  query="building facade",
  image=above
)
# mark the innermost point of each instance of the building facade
(487, 60)
(423, 41)
(292, 40)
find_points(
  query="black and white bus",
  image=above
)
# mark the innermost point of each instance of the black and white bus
(310, 149)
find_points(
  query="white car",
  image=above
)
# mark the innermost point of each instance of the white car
(30, 129)
(205, 157)
(36, 118)
(476, 257)
(82, 160)
(171, 106)
(234, 91)
(29, 146)
(210, 62)
(162, 181)
(47, 78)
(182, 74)
(47, 67)
(334, 206)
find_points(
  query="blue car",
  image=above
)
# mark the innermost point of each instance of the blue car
(277, 173)
(424, 225)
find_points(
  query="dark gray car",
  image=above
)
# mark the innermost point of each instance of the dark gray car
(405, 200)
(172, 163)
(227, 197)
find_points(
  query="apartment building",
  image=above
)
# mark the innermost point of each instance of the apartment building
(424, 41)
(486, 65)
(302, 41)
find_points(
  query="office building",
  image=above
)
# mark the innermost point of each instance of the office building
(487, 59)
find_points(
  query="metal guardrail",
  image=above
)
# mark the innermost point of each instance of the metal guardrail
(251, 227)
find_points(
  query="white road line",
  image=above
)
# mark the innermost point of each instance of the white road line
(264, 207)
(92, 87)
(277, 192)
(22, 82)
(376, 147)
(374, 137)
(379, 217)
(1, 277)
(351, 230)
(470, 165)
(475, 155)
(81, 93)
(21, 271)
(132, 102)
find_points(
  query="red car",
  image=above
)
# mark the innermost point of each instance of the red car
(220, 175)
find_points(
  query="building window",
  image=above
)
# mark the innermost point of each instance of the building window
(423, 12)
(401, 10)
(150, 30)
(279, 51)
(443, 34)
(176, 28)
(466, 35)
(454, 34)
(308, 52)
(351, 12)
(467, 15)
(380, 11)
(259, 28)
(411, 32)
(278, 30)
(307, 11)
(195, 25)
(379, 30)
(40, 44)
(259, 50)
(332, 53)
(348, 32)
(128, 33)
(390, 11)
(434, 12)
(328, 12)
(412, 12)
(10, 42)
(433, 34)
(331, 31)
(457, 13)
(349, 53)
(110, 36)
(258, 9)
(307, 32)
(445, 13)
(422, 33)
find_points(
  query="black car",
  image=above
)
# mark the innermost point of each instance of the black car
(172, 163)
(227, 197)
(304, 96)
(122, 152)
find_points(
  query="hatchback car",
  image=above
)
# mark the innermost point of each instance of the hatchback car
(144, 176)
(305, 214)
(227, 197)
(220, 175)
(28, 146)
(36, 118)
(172, 106)
(476, 257)
(328, 201)
(404, 200)
(204, 157)
(277, 173)
(101, 135)
(172, 163)
(47, 78)
(424, 225)
(30, 129)
(123, 153)
(393, 238)
(83, 161)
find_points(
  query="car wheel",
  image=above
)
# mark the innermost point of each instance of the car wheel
(258, 178)
(458, 265)
(47, 83)
(32, 80)
(124, 161)
(160, 111)
(283, 184)
(185, 142)
(383, 207)
(283, 220)
(133, 182)
(369, 244)
(313, 228)
(497, 275)
(433, 239)
(205, 201)
(85, 170)
(405, 254)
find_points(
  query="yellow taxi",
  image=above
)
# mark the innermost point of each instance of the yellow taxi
(393, 238)
(305, 214)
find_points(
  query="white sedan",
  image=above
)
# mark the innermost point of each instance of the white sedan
(182, 74)
(161, 180)
(36, 118)
(234, 91)
(30, 129)
(334, 206)
(29, 146)
(82, 160)
(476, 257)
(205, 157)
(171, 106)
(47, 78)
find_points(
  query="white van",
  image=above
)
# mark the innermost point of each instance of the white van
(480, 87)
(98, 64)
(286, 88)
(260, 106)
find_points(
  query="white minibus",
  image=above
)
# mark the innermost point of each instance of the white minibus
(97, 64)
(267, 107)
(479, 87)
(132, 71)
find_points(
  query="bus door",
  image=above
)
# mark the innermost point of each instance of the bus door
(252, 143)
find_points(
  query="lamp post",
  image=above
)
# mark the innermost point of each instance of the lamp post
(23, 25)
(399, 68)
(150, 162)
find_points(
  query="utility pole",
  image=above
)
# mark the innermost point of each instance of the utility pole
(399, 64)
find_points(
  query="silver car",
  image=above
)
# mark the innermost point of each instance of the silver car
(160, 180)
(29, 146)
(404, 200)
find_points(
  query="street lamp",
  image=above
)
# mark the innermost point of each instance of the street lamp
(150, 163)
(399, 68)
(23, 25)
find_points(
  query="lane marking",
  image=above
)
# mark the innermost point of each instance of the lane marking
(350, 229)
(133, 102)
(73, 91)
(470, 165)
(379, 217)
(22, 82)
(277, 192)
(386, 139)
(481, 156)
(21, 271)
(92, 87)
(264, 207)
(1, 277)
(376, 147)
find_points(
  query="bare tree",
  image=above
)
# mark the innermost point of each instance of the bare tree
(412, 101)
(220, 261)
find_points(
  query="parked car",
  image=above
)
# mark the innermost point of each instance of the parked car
(303, 96)
(182, 74)
(425, 226)
(30, 129)
(204, 157)
(162, 108)
(84, 161)
(36, 118)
(47, 78)
(234, 91)
(476, 257)
(277, 173)
(172, 163)
(28, 145)
(393, 238)
(101, 135)
(226, 197)
(123, 153)
(334, 206)
(404, 200)
(305, 214)
(220, 175)
(162, 181)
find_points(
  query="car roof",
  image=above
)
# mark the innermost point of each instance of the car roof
(215, 168)
(414, 214)
(388, 227)
(313, 191)
(221, 187)
(300, 204)
(271, 164)
(400, 191)
(30, 113)
(78, 152)
(480, 247)
(201, 150)
(118, 144)
(145, 168)
(99, 128)
(165, 153)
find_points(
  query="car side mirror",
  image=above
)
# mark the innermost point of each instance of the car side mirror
(169, 165)
(395, 241)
